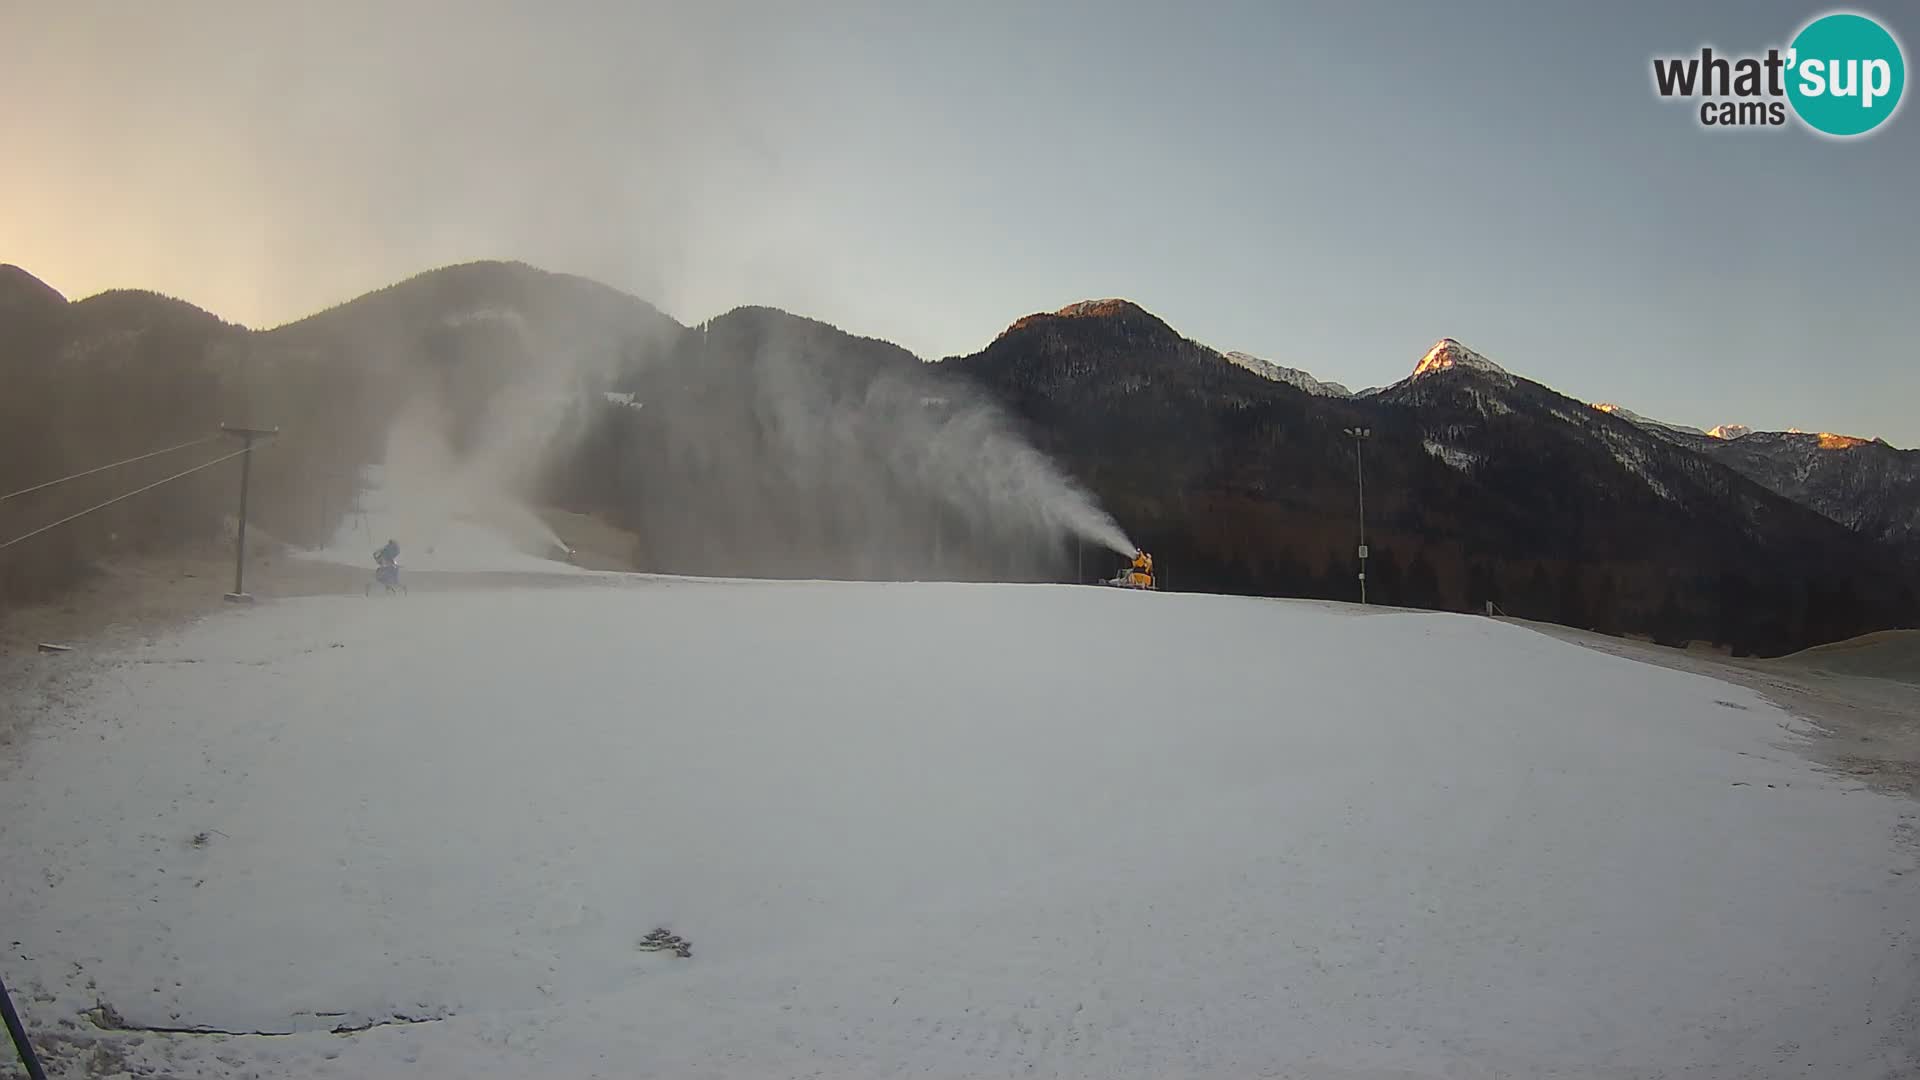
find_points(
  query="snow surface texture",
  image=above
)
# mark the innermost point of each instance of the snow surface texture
(947, 830)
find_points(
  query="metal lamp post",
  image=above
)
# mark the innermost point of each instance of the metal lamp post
(21, 1044)
(1359, 435)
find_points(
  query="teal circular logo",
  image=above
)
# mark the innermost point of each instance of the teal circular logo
(1845, 73)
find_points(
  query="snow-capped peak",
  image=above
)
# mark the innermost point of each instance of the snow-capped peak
(1098, 308)
(1830, 441)
(1267, 369)
(1729, 431)
(1110, 308)
(1448, 353)
(1632, 417)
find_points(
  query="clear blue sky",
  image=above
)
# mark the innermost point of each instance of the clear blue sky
(1332, 186)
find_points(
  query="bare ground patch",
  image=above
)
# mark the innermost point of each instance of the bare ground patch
(1869, 724)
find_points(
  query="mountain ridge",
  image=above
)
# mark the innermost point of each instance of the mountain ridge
(1482, 485)
(1166, 434)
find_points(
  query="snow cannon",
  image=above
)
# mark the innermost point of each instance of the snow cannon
(1137, 575)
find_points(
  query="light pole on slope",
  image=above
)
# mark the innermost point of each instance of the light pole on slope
(248, 436)
(1359, 435)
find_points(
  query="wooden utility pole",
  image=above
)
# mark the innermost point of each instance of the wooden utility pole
(248, 437)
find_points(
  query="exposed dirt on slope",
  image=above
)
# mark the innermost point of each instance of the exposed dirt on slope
(1889, 654)
(1863, 695)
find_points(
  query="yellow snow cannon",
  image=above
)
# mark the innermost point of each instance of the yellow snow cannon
(1139, 575)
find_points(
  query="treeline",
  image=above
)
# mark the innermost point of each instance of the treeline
(1673, 606)
(85, 384)
(1434, 544)
(127, 373)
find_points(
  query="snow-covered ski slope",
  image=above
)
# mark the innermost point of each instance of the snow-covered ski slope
(943, 830)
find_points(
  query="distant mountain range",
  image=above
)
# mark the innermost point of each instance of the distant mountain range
(1481, 485)
(1864, 484)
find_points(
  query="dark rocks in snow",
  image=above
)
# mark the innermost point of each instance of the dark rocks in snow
(660, 939)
